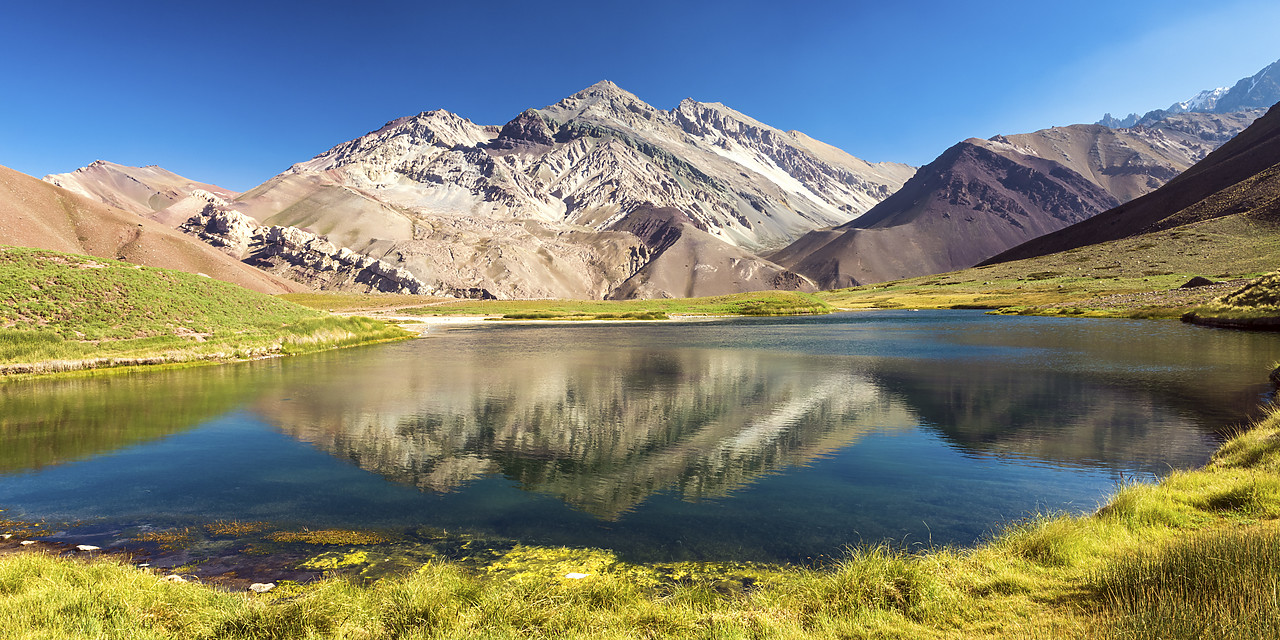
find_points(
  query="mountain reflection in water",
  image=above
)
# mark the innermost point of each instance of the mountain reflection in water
(602, 434)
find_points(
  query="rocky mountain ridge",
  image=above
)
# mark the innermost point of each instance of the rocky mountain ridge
(538, 207)
(1238, 177)
(1259, 91)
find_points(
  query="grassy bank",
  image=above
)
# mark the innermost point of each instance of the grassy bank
(760, 303)
(1253, 306)
(62, 312)
(1194, 556)
(1132, 278)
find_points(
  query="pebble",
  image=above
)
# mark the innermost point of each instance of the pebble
(262, 587)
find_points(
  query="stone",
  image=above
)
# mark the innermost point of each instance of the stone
(262, 587)
(173, 577)
(1198, 281)
(28, 542)
(576, 576)
(86, 547)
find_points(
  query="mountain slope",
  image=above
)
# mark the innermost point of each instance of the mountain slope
(41, 215)
(1129, 163)
(1249, 154)
(949, 216)
(690, 263)
(968, 204)
(140, 190)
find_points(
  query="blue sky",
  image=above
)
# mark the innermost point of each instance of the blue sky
(234, 92)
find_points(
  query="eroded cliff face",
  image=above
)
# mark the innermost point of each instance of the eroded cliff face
(301, 256)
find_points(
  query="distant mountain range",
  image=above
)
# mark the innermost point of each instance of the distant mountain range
(1258, 91)
(603, 196)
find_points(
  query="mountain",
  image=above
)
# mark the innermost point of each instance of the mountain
(140, 190)
(305, 260)
(970, 203)
(1236, 178)
(691, 263)
(1129, 163)
(44, 216)
(538, 207)
(1258, 91)
(982, 197)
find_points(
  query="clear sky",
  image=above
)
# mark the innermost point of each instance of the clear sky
(233, 92)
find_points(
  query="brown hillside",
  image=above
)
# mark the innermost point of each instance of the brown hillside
(967, 205)
(1253, 151)
(38, 214)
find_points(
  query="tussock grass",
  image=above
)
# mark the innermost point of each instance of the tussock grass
(1212, 585)
(1256, 304)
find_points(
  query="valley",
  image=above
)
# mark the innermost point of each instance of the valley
(600, 368)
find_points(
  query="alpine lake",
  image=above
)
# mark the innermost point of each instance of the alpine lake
(781, 440)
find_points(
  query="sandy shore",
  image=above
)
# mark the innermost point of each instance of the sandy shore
(427, 324)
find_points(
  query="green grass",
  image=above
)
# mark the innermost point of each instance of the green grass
(1217, 585)
(340, 302)
(1255, 304)
(62, 312)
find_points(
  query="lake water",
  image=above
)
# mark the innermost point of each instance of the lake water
(779, 439)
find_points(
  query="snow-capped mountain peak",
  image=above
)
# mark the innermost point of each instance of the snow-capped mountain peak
(1201, 102)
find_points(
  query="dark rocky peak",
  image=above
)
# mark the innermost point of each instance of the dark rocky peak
(527, 130)
(657, 227)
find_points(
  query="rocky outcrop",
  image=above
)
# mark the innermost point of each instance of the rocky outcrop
(305, 257)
